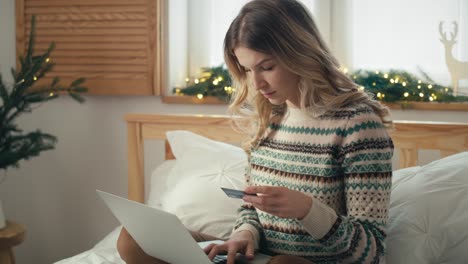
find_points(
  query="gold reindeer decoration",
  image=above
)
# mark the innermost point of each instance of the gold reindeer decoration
(458, 69)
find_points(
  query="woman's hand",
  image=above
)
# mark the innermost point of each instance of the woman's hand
(279, 201)
(240, 242)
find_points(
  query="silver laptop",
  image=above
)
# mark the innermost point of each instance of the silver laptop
(162, 234)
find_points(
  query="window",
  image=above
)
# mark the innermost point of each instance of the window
(115, 44)
(196, 33)
(405, 35)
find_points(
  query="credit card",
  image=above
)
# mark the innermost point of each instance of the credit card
(233, 193)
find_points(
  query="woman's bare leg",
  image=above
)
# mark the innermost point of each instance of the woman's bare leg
(132, 253)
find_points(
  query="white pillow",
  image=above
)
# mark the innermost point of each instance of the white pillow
(158, 182)
(428, 218)
(194, 193)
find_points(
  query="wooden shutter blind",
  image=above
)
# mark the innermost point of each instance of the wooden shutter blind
(115, 44)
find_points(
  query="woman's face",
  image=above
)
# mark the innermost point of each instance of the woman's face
(269, 77)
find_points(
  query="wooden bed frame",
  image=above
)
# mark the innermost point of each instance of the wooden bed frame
(408, 137)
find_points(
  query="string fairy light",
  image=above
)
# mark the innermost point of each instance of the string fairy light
(388, 86)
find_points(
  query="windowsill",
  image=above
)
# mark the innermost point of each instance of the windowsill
(171, 99)
(174, 99)
(429, 106)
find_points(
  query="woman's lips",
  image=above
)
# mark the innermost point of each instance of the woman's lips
(269, 94)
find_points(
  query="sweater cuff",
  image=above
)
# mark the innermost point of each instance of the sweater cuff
(253, 231)
(319, 220)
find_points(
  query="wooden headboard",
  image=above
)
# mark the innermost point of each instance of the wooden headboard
(408, 136)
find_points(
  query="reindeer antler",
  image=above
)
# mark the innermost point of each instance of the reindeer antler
(444, 38)
(441, 31)
(455, 30)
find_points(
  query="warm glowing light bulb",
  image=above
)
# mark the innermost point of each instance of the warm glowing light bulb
(374, 84)
(197, 81)
(187, 79)
(35, 78)
(431, 99)
(220, 78)
(47, 60)
(379, 95)
(419, 81)
(200, 96)
(403, 83)
(385, 76)
(446, 89)
(51, 94)
(419, 86)
(429, 86)
(215, 82)
(406, 94)
(421, 95)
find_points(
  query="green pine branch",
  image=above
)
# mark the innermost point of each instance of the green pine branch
(213, 81)
(401, 86)
(404, 88)
(20, 98)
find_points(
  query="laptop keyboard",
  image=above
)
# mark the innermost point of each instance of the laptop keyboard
(220, 259)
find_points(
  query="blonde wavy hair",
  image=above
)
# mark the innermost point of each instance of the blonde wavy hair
(285, 30)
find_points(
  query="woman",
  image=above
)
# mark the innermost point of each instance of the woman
(320, 156)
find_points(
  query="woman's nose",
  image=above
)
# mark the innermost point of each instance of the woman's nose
(258, 81)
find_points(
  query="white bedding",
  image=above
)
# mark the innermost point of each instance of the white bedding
(104, 252)
(438, 192)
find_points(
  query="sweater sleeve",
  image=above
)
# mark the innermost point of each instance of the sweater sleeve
(359, 235)
(247, 218)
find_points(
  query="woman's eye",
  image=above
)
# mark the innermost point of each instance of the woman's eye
(267, 68)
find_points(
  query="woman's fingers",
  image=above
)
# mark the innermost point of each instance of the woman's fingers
(232, 248)
(216, 249)
(279, 201)
(208, 248)
(250, 250)
(231, 256)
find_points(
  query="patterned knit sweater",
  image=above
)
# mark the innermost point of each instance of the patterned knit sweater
(343, 160)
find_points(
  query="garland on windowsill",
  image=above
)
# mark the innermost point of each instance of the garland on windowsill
(394, 86)
(214, 81)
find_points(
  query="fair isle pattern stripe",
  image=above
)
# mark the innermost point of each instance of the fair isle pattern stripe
(327, 131)
(342, 159)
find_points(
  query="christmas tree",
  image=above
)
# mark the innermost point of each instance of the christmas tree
(22, 96)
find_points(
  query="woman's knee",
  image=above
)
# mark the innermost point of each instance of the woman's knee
(131, 252)
(126, 245)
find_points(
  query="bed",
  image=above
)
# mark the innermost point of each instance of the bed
(428, 221)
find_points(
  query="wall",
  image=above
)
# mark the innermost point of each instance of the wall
(54, 194)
